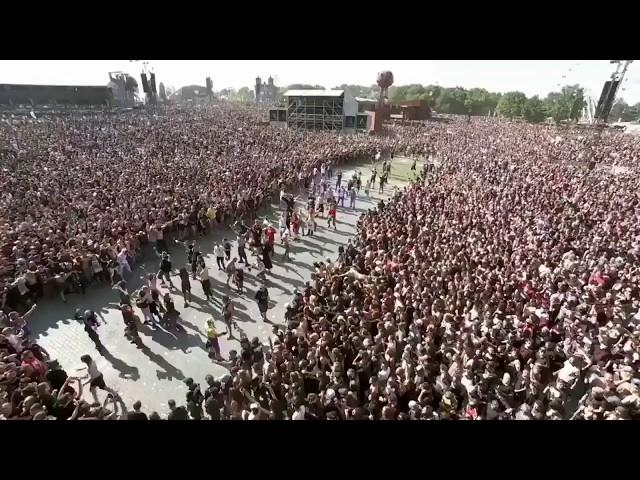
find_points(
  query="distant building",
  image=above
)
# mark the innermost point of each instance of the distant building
(412, 109)
(12, 94)
(194, 93)
(266, 93)
(366, 104)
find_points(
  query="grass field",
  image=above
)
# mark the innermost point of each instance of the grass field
(400, 170)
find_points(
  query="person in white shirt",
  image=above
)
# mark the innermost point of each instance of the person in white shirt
(95, 379)
(299, 413)
(123, 262)
(218, 251)
(203, 275)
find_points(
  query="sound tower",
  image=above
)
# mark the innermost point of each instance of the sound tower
(606, 108)
(603, 96)
(258, 88)
(145, 84)
(209, 85)
(153, 83)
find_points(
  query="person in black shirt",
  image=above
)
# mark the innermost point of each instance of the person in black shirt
(262, 297)
(213, 405)
(165, 270)
(90, 326)
(185, 285)
(227, 248)
(137, 414)
(177, 413)
(239, 279)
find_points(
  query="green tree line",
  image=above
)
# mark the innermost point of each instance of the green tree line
(564, 105)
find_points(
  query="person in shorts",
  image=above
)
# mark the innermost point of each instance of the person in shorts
(95, 380)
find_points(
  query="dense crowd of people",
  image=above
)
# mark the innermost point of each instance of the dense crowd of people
(502, 284)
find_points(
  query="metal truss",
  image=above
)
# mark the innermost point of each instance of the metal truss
(315, 113)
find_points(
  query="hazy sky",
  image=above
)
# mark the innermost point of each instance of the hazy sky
(530, 76)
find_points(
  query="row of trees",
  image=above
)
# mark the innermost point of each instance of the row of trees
(565, 105)
(624, 112)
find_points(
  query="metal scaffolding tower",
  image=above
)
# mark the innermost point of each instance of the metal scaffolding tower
(315, 112)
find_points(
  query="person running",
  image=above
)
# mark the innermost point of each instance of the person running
(311, 224)
(192, 257)
(170, 318)
(256, 235)
(155, 295)
(228, 312)
(230, 270)
(185, 286)
(227, 248)
(143, 303)
(352, 198)
(239, 278)
(131, 325)
(218, 251)
(95, 380)
(286, 243)
(242, 254)
(203, 275)
(270, 237)
(359, 181)
(91, 325)
(262, 297)
(165, 270)
(267, 250)
(295, 224)
(331, 216)
(259, 265)
(125, 296)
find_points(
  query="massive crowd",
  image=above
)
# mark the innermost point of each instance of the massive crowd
(502, 284)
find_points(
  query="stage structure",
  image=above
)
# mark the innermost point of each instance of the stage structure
(321, 110)
(34, 95)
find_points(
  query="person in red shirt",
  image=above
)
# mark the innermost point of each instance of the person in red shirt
(295, 223)
(332, 216)
(270, 233)
(38, 366)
